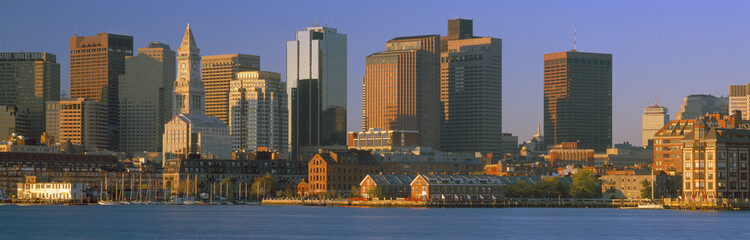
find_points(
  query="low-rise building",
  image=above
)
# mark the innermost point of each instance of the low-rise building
(567, 153)
(460, 187)
(31, 191)
(376, 139)
(425, 160)
(337, 172)
(386, 186)
(629, 185)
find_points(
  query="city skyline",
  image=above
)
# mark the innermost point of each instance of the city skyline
(653, 50)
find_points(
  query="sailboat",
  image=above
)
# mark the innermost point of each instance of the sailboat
(101, 201)
(652, 204)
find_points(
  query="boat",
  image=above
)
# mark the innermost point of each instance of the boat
(76, 204)
(650, 206)
(107, 203)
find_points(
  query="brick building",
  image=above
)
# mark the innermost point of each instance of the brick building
(337, 172)
(386, 186)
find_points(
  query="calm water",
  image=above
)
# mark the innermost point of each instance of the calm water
(298, 222)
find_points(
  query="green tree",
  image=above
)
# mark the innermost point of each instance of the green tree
(551, 188)
(264, 186)
(521, 189)
(375, 192)
(585, 185)
(646, 189)
(355, 191)
(227, 188)
(289, 190)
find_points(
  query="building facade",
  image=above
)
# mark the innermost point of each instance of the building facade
(257, 102)
(695, 106)
(739, 99)
(425, 160)
(14, 121)
(568, 153)
(578, 99)
(79, 120)
(146, 97)
(31, 191)
(337, 172)
(316, 80)
(217, 73)
(27, 81)
(654, 118)
(96, 62)
(459, 187)
(470, 91)
(386, 187)
(375, 139)
(401, 88)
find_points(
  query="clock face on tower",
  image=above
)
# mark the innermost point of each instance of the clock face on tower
(183, 66)
(195, 66)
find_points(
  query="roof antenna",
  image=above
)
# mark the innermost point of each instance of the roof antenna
(575, 37)
(656, 99)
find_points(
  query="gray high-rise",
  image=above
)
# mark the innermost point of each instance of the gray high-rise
(316, 88)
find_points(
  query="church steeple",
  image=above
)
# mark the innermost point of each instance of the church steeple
(188, 88)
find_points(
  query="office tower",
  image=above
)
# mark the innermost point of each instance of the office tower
(146, 97)
(79, 120)
(654, 118)
(401, 88)
(27, 81)
(217, 72)
(697, 105)
(739, 99)
(470, 91)
(14, 120)
(578, 99)
(190, 131)
(96, 62)
(316, 88)
(259, 112)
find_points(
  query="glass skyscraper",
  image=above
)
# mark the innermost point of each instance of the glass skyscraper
(316, 88)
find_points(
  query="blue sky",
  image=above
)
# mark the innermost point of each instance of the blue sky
(675, 48)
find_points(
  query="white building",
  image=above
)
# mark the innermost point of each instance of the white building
(654, 118)
(739, 100)
(191, 131)
(259, 113)
(50, 192)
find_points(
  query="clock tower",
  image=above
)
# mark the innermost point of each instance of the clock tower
(189, 95)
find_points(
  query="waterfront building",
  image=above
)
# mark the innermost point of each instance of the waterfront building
(386, 187)
(316, 85)
(695, 106)
(15, 144)
(375, 139)
(217, 73)
(31, 191)
(96, 63)
(401, 88)
(86, 169)
(629, 185)
(27, 81)
(578, 99)
(190, 131)
(197, 175)
(471, 91)
(257, 102)
(668, 152)
(145, 97)
(462, 187)
(739, 99)
(654, 118)
(425, 160)
(337, 172)
(14, 120)
(568, 153)
(81, 121)
(715, 164)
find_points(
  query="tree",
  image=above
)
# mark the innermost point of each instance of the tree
(228, 188)
(521, 189)
(375, 192)
(355, 191)
(585, 185)
(264, 186)
(551, 188)
(646, 189)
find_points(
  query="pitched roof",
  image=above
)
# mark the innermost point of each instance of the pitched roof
(392, 180)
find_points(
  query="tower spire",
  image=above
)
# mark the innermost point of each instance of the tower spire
(575, 37)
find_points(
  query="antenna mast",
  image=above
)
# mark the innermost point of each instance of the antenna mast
(575, 37)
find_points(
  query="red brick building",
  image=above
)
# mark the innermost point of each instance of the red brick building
(338, 172)
(386, 186)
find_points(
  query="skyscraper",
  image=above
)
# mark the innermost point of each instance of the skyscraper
(217, 72)
(146, 98)
(190, 131)
(80, 121)
(578, 99)
(401, 88)
(316, 88)
(470, 91)
(654, 118)
(96, 62)
(27, 81)
(258, 117)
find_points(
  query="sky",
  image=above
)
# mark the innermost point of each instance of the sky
(667, 48)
